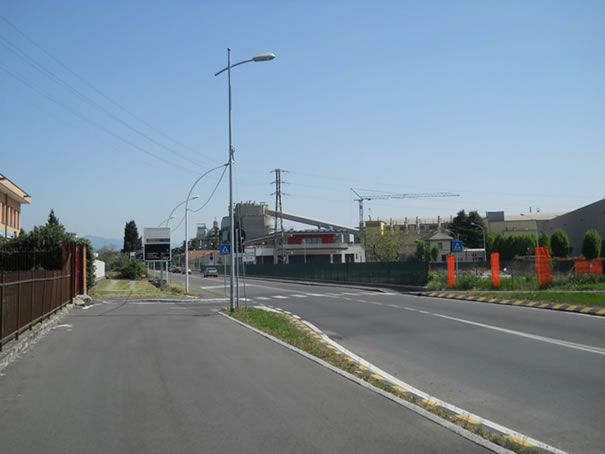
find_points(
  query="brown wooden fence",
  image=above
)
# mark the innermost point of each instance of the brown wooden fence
(27, 297)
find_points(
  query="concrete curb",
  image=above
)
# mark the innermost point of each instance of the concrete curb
(416, 409)
(587, 310)
(363, 368)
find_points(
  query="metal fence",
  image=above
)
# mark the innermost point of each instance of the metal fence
(395, 273)
(27, 296)
(31, 260)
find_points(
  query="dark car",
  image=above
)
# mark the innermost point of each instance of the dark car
(210, 271)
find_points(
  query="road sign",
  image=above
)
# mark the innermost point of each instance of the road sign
(156, 244)
(225, 249)
(457, 246)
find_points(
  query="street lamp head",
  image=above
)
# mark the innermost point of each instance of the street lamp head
(264, 57)
(194, 197)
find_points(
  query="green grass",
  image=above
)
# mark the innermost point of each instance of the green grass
(583, 299)
(288, 330)
(121, 288)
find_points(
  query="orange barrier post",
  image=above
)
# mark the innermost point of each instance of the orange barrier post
(495, 259)
(451, 271)
(588, 266)
(543, 265)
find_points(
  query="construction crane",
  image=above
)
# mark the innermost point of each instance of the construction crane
(392, 195)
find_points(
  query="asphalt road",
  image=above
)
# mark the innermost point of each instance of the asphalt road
(535, 371)
(158, 377)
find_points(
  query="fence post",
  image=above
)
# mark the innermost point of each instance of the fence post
(18, 305)
(31, 300)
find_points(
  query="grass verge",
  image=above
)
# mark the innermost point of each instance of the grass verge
(297, 334)
(582, 299)
(121, 288)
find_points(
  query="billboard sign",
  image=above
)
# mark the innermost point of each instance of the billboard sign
(156, 244)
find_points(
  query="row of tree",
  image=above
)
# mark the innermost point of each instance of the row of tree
(520, 245)
(50, 237)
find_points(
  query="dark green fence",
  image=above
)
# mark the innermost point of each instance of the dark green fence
(395, 273)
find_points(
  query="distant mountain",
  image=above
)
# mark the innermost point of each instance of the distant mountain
(98, 242)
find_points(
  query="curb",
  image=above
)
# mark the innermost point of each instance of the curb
(414, 399)
(586, 310)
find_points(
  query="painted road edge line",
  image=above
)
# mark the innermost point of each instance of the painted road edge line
(415, 408)
(564, 307)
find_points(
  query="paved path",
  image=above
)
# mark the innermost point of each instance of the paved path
(155, 377)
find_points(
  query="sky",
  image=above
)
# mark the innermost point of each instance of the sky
(110, 110)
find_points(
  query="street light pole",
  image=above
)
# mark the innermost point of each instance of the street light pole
(187, 223)
(258, 58)
(484, 248)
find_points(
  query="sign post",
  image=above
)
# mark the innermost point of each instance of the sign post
(156, 244)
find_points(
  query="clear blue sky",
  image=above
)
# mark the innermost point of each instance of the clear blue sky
(501, 102)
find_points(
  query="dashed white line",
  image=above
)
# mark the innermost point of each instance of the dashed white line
(299, 296)
(280, 297)
(376, 303)
(393, 305)
(262, 298)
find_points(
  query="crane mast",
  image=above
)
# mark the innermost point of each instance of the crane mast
(386, 196)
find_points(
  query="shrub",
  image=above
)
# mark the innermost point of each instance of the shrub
(559, 243)
(591, 246)
(133, 270)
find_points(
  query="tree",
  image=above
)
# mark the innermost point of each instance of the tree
(469, 234)
(383, 247)
(52, 219)
(435, 253)
(132, 241)
(559, 243)
(591, 246)
(544, 240)
(420, 248)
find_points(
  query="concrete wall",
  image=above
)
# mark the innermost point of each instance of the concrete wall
(99, 270)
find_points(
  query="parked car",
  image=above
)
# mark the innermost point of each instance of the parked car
(211, 271)
(172, 269)
(178, 269)
(188, 271)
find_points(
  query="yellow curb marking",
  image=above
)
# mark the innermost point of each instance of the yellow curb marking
(362, 368)
(432, 294)
(504, 302)
(468, 419)
(493, 300)
(532, 303)
(459, 297)
(348, 358)
(516, 303)
(571, 308)
(601, 312)
(441, 295)
(558, 306)
(429, 403)
(586, 309)
(472, 297)
(400, 389)
(544, 305)
(451, 295)
(378, 377)
(482, 298)
(518, 440)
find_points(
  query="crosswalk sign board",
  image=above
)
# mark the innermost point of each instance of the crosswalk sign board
(457, 246)
(225, 249)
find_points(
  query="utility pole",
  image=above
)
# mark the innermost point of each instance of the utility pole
(278, 209)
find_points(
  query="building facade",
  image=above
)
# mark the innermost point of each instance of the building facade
(11, 199)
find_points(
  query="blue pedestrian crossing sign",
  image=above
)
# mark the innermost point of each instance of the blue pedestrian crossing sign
(457, 246)
(225, 249)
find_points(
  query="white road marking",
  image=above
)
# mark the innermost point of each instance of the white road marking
(314, 294)
(212, 286)
(424, 312)
(550, 340)
(376, 303)
(300, 296)
(410, 309)
(362, 301)
(393, 305)
(280, 297)
(262, 298)
(351, 294)
(348, 299)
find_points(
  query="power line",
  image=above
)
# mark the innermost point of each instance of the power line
(80, 78)
(67, 86)
(28, 84)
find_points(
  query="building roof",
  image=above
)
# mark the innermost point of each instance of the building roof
(197, 254)
(14, 191)
(436, 236)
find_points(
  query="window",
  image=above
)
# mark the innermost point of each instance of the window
(312, 240)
